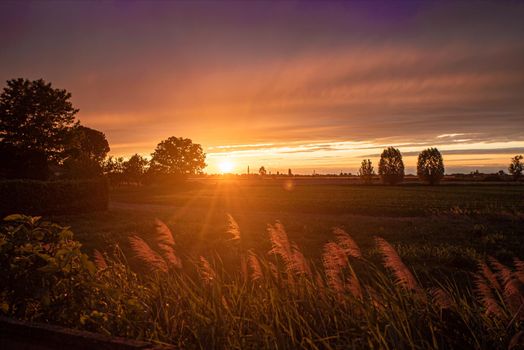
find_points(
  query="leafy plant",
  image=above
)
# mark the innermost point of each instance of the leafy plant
(43, 271)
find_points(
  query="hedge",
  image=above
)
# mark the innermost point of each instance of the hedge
(33, 197)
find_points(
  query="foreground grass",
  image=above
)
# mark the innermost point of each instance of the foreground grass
(243, 299)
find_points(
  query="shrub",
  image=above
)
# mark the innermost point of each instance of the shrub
(43, 270)
(46, 277)
(430, 166)
(391, 166)
(53, 197)
(16, 163)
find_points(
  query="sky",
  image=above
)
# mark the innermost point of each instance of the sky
(307, 85)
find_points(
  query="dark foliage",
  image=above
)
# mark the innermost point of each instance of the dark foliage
(87, 142)
(366, 171)
(47, 278)
(37, 117)
(430, 166)
(135, 168)
(177, 156)
(391, 166)
(516, 167)
(53, 197)
(16, 163)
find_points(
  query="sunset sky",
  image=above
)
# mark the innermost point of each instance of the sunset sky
(301, 85)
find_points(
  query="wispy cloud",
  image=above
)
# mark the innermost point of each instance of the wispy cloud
(324, 84)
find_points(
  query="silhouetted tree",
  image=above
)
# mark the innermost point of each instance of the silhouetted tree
(262, 171)
(113, 168)
(135, 168)
(86, 150)
(430, 166)
(289, 173)
(81, 167)
(36, 117)
(177, 156)
(516, 167)
(91, 143)
(366, 171)
(391, 166)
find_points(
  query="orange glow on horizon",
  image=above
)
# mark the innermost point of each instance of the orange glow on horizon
(226, 166)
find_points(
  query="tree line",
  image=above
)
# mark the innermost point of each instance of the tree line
(430, 167)
(40, 138)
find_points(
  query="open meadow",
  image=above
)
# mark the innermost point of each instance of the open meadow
(446, 228)
(228, 262)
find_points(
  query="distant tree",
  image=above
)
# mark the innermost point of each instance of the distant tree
(81, 167)
(262, 171)
(366, 171)
(516, 167)
(289, 173)
(113, 168)
(135, 168)
(391, 166)
(430, 166)
(91, 143)
(177, 156)
(86, 149)
(35, 117)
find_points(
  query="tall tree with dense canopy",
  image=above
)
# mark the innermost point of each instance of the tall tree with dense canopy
(89, 143)
(516, 167)
(366, 171)
(430, 166)
(177, 156)
(36, 117)
(391, 166)
(86, 150)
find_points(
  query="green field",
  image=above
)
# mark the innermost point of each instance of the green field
(209, 281)
(445, 228)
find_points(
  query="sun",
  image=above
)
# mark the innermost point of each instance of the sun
(226, 166)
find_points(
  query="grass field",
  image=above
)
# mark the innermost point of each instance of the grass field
(444, 228)
(410, 269)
